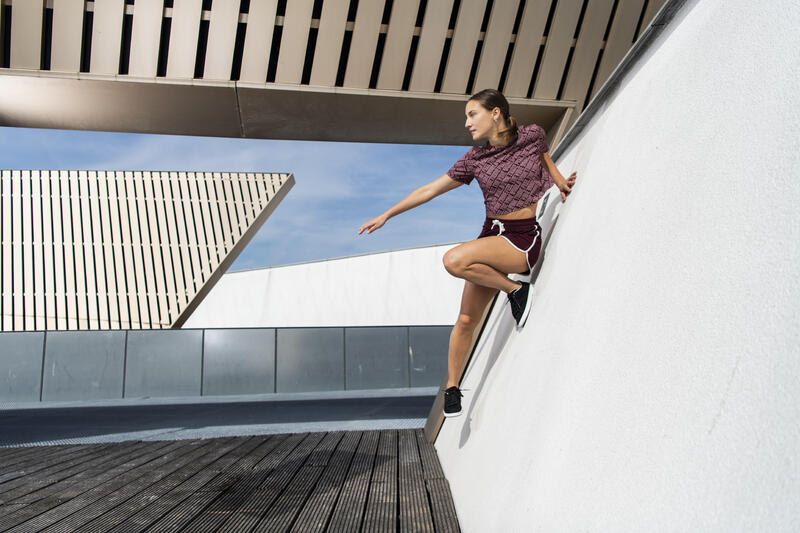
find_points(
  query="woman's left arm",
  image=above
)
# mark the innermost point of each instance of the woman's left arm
(564, 185)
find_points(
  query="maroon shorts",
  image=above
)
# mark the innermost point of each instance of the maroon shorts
(524, 234)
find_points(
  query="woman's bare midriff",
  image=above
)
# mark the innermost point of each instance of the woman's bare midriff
(525, 212)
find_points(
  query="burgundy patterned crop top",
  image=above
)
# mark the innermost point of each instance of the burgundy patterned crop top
(512, 176)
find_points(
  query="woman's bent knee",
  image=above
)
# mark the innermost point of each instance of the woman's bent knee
(453, 262)
(465, 323)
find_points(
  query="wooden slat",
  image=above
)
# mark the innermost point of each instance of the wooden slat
(101, 277)
(526, 47)
(48, 264)
(587, 49)
(183, 38)
(37, 181)
(25, 252)
(106, 36)
(138, 297)
(353, 495)
(559, 42)
(221, 39)
(294, 41)
(653, 6)
(159, 284)
(71, 250)
(362, 47)
(120, 259)
(431, 44)
(145, 38)
(415, 512)
(329, 42)
(89, 271)
(495, 45)
(382, 503)
(398, 44)
(620, 39)
(105, 191)
(192, 236)
(59, 256)
(26, 34)
(258, 41)
(65, 50)
(6, 252)
(462, 49)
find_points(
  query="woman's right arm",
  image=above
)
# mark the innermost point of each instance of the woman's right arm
(419, 196)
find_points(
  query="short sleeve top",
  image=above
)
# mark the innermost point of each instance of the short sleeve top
(511, 176)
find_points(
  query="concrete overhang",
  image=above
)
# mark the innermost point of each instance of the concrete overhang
(83, 101)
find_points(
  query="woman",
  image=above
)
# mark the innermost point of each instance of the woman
(514, 170)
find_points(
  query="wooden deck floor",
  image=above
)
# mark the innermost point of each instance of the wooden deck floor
(338, 481)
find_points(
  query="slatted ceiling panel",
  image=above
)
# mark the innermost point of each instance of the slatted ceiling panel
(221, 39)
(462, 48)
(145, 37)
(106, 36)
(495, 44)
(559, 42)
(526, 48)
(430, 46)
(329, 42)
(653, 7)
(65, 49)
(619, 39)
(258, 41)
(398, 44)
(362, 46)
(587, 49)
(184, 33)
(26, 34)
(294, 41)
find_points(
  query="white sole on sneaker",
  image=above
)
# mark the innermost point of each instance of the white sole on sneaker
(450, 415)
(527, 309)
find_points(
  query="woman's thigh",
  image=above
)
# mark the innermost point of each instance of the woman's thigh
(494, 251)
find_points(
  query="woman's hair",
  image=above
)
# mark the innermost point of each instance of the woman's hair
(491, 98)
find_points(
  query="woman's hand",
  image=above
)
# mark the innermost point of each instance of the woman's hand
(373, 224)
(565, 186)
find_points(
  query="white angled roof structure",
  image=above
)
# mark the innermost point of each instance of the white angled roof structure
(122, 249)
(336, 70)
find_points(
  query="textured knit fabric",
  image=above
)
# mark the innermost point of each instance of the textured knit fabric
(512, 176)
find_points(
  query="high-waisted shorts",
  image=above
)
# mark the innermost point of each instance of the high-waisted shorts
(524, 234)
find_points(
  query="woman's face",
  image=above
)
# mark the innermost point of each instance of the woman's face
(480, 121)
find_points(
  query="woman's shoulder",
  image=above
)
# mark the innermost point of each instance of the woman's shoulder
(530, 131)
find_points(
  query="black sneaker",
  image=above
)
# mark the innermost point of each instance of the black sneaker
(520, 303)
(452, 401)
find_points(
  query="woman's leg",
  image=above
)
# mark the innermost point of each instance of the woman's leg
(486, 262)
(473, 302)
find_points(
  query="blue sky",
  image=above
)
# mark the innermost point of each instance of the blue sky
(339, 186)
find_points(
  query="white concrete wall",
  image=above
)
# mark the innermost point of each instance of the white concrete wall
(403, 287)
(656, 385)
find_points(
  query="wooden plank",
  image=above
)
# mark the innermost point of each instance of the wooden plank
(362, 46)
(314, 515)
(397, 45)
(556, 51)
(526, 48)
(183, 37)
(431, 468)
(620, 39)
(294, 41)
(26, 34)
(462, 48)
(221, 39)
(443, 508)
(65, 50)
(495, 45)
(283, 512)
(350, 506)
(106, 36)
(258, 41)
(329, 42)
(380, 514)
(652, 9)
(431, 43)
(587, 48)
(415, 511)
(145, 38)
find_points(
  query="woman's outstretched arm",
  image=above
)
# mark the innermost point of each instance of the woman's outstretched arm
(419, 196)
(564, 185)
